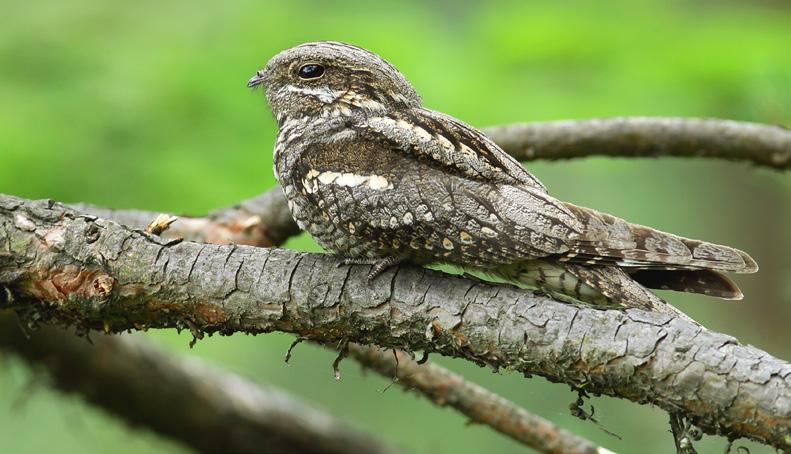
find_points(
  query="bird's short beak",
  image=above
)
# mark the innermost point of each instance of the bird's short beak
(257, 79)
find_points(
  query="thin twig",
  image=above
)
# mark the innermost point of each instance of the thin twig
(760, 144)
(479, 404)
(683, 434)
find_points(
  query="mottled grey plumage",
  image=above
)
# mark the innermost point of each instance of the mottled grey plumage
(376, 178)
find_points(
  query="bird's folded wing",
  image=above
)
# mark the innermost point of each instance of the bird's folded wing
(442, 140)
(371, 190)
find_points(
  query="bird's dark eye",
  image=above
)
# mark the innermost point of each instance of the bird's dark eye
(311, 71)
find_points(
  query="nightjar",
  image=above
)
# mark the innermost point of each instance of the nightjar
(377, 178)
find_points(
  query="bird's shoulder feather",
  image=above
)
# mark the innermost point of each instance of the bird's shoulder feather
(442, 140)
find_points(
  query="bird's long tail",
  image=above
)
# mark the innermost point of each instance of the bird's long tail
(657, 259)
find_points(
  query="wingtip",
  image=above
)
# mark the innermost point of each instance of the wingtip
(736, 296)
(750, 265)
(729, 290)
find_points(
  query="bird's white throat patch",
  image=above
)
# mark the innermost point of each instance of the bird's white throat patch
(345, 98)
(323, 94)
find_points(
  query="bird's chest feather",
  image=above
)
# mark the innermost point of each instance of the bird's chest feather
(329, 192)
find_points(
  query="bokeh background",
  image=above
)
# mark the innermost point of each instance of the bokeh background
(143, 104)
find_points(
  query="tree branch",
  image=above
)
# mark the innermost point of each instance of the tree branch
(444, 387)
(681, 435)
(270, 221)
(261, 221)
(98, 274)
(763, 145)
(218, 411)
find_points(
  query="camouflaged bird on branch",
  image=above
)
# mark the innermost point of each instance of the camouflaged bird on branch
(378, 179)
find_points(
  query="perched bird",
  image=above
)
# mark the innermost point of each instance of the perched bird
(378, 179)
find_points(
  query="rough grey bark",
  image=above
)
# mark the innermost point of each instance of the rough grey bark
(217, 411)
(265, 220)
(763, 145)
(260, 221)
(271, 219)
(98, 274)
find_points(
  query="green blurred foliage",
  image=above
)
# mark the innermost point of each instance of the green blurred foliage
(143, 104)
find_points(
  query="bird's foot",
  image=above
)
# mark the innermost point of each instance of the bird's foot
(378, 265)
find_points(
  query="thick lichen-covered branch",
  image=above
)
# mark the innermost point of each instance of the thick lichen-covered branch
(430, 380)
(217, 411)
(97, 274)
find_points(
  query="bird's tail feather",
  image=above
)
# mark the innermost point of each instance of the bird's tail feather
(706, 282)
(608, 240)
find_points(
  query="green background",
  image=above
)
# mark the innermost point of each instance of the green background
(143, 104)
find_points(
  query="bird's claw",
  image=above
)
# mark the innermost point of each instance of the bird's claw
(378, 266)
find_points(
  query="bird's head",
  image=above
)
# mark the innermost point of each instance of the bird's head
(333, 79)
